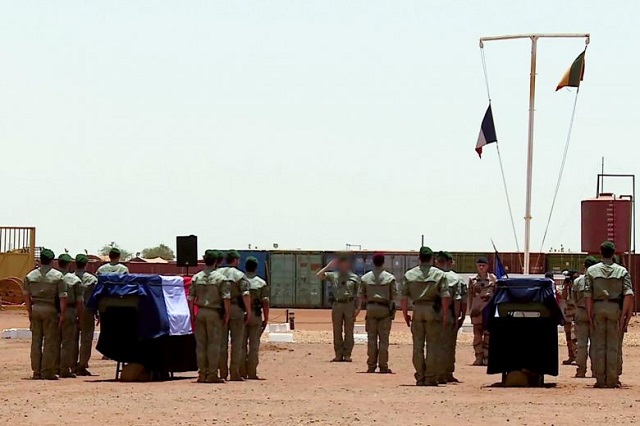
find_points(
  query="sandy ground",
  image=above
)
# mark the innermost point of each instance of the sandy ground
(302, 387)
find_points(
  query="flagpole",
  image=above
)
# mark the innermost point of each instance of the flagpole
(532, 94)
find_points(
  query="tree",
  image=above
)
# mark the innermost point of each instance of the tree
(124, 254)
(162, 251)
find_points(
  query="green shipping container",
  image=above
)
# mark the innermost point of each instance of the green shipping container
(465, 263)
(282, 279)
(308, 286)
(558, 262)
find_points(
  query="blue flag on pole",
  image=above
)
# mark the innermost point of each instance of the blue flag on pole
(487, 132)
(498, 268)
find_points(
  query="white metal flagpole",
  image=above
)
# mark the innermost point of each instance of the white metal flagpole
(532, 95)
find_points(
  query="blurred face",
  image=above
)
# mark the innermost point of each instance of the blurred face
(482, 268)
(344, 266)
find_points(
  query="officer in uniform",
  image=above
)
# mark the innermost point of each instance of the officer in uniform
(427, 287)
(377, 291)
(88, 317)
(210, 292)
(609, 301)
(114, 266)
(569, 315)
(74, 311)
(240, 315)
(42, 287)
(582, 321)
(344, 286)
(444, 261)
(481, 289)
(258, 322)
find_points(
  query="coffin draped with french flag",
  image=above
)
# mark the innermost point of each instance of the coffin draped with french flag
(145, 319)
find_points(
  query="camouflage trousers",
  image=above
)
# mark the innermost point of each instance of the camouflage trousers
(426, 329)
(251, 348)
(480, 341)
(69, 347)
(208, 333)
(342, 319)
(583, 337)
(86, 336)
(45, 340)
(378, 324)
(606, 343)
(233, 331)
(570, 334)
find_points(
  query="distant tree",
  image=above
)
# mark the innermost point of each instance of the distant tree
(162, 251)
(124, 254)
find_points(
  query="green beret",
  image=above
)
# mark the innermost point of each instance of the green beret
(590, 261)
(233, 254)
(65, 258)
(445, 255)
(608, 245)
(251, 259)
(210, 255)
(426, 251)
(114, 251)
(47, 254)
(82, 258)
(219, 254)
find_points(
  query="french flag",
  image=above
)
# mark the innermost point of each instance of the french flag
(487, 132)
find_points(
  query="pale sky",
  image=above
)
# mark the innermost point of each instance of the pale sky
(310, 124)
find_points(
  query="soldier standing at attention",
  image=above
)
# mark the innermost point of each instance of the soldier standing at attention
(344, 285)
(239, 317)
(426, 286)
(219, 258)
(41, 287)
(114, 266)
(569, 315)
(609, 301)
(444, 261)
(377, 291)
(582, 322)
(481, 289)
(210, 292)
(69, 332)
(88, 317)
(258, 322)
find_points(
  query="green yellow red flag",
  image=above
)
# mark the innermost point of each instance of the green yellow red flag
(574, 74)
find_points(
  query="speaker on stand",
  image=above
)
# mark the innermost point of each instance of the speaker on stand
(187, 251)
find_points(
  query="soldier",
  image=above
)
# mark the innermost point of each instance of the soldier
(74, 312)
(258, 323)
(569, 315)
(582, 322)
(481, 289)
(344, 285)
(377, 291)
(444, 261)
(210, 292)
(89, 316)
(114, 266)
(240, 315)
(609, 301)
(42, 287)
(426, 286)
(219, 258)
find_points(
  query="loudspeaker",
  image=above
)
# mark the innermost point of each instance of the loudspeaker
(187, 248)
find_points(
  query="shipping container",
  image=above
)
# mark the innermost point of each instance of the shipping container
(466, 262)
(558, 262)
(514, 263)
(282, 270)
(308, 285)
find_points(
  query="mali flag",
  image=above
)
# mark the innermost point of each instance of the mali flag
(574, 74)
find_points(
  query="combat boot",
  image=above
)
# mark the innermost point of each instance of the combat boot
(385, 371)
(371, 370)
(478, 362)
(214, 379)
(202, 378)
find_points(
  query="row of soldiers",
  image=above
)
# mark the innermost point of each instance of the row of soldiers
(62, 326)
(599, 305)
(439, 296)
(230, 303)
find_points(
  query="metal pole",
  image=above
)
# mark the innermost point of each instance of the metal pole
(532, 96)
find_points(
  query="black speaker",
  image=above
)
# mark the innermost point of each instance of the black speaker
(187, 250)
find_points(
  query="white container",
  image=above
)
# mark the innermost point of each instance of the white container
(360, 338)
(23, 334)
(359, 329)
(281, 337)
(279, 328)
(9, 333)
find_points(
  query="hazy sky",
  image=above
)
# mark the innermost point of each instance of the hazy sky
(307, 123)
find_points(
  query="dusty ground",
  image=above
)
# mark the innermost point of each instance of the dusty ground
(302, 387)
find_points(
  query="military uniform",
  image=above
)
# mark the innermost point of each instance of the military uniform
(569, 326)
(425, 285)
(581, 326)
(457, 290)
(88, 320)
(208, 290)
(607, 284)
(380, 289)
(239, 287)
(69, 349)
(253, 331)
(480, 293)
(42, 286)
(344, 288)
(112, 268)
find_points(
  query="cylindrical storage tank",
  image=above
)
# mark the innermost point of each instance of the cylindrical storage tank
(606, 218)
